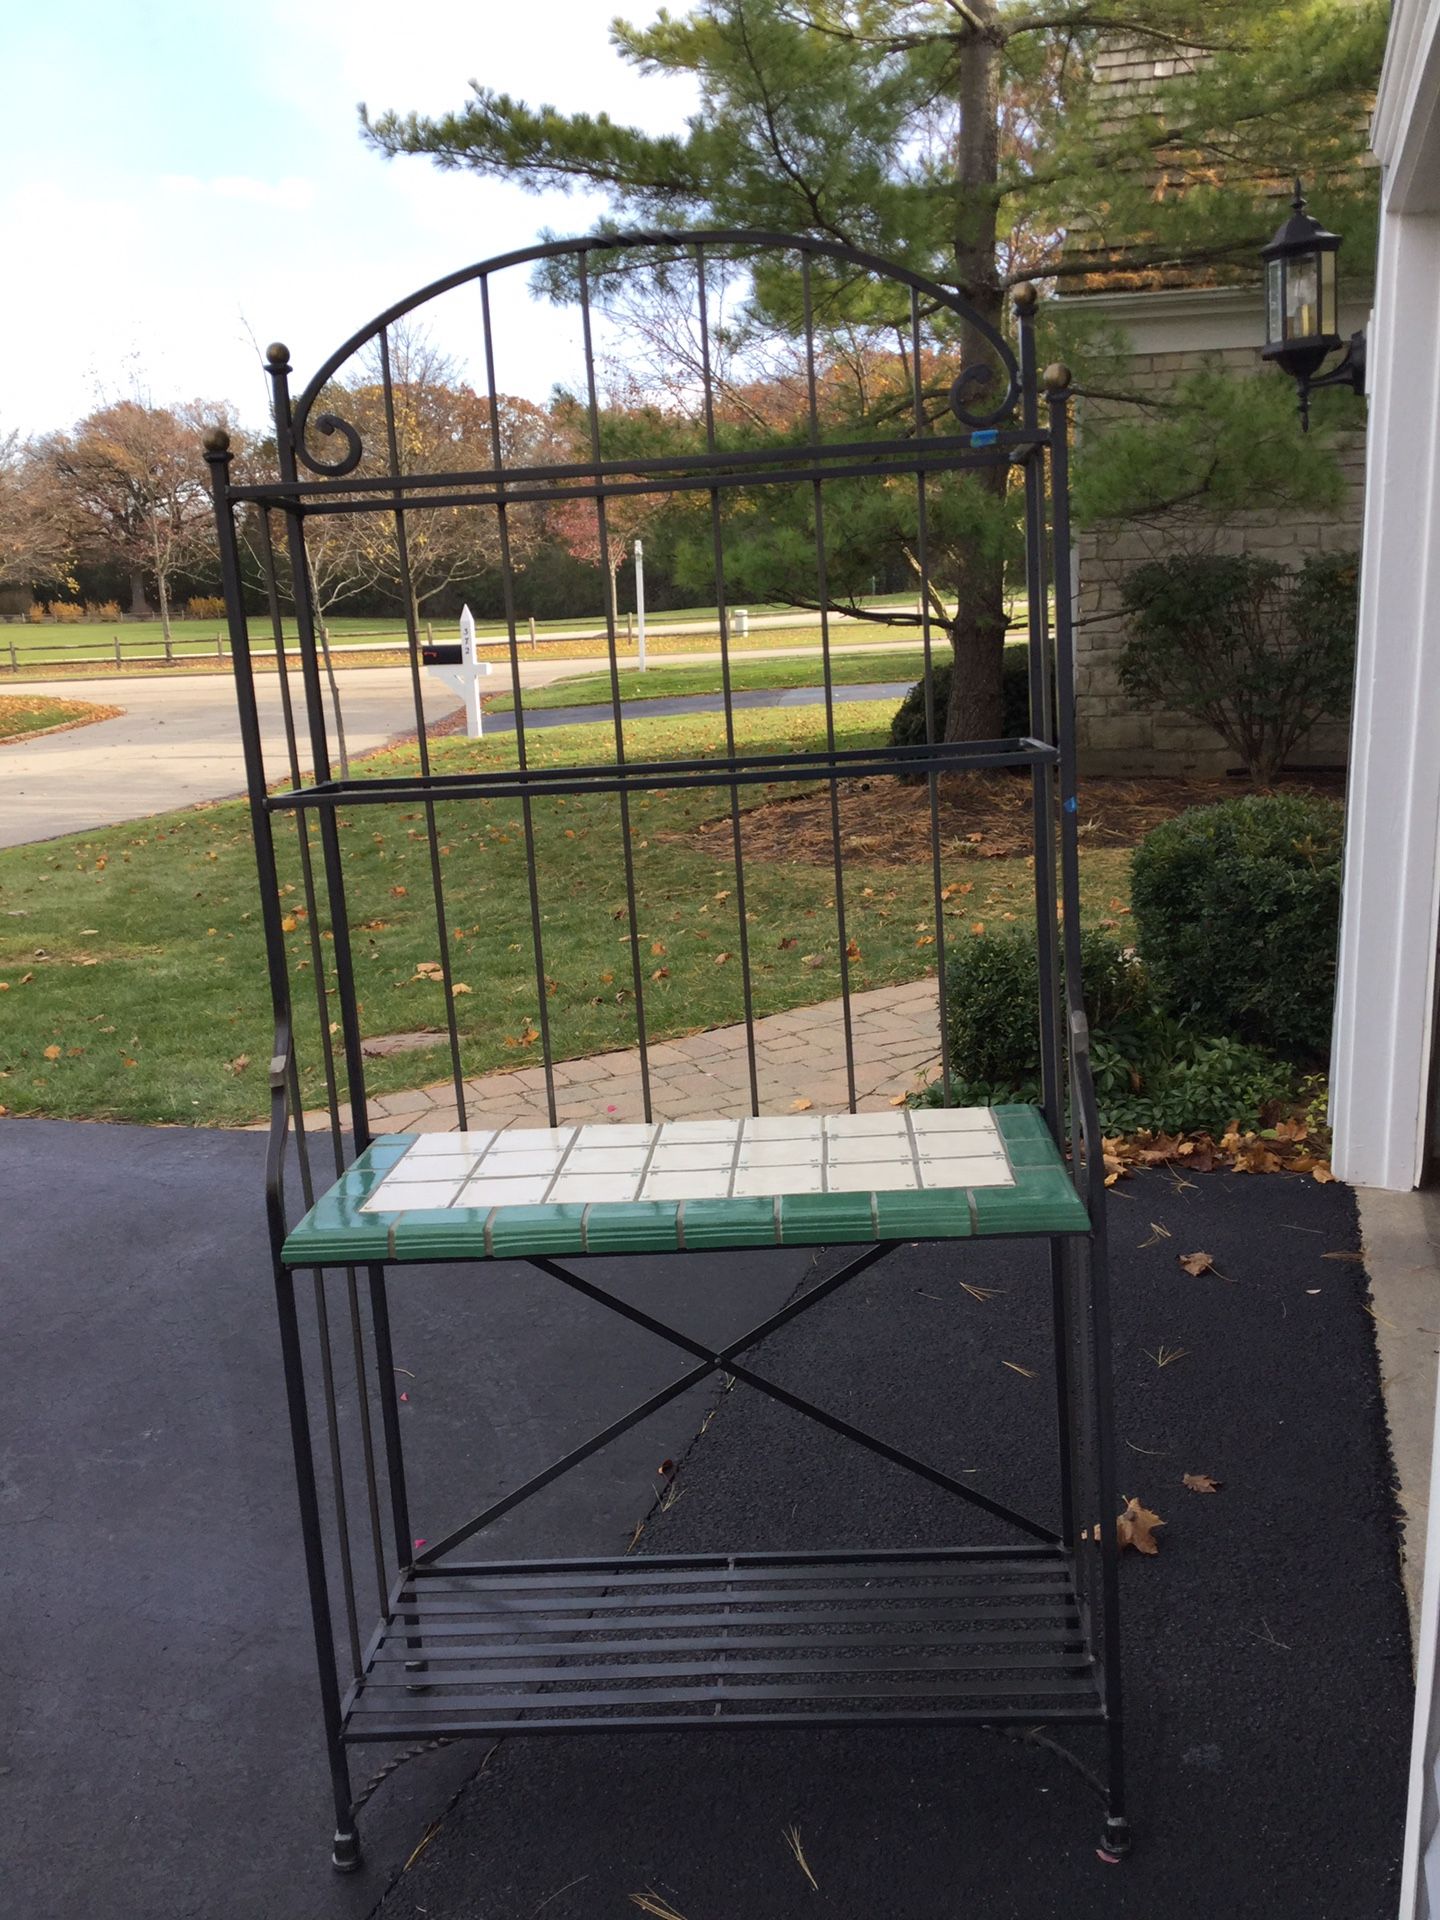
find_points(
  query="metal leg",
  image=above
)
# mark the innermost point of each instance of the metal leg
(394, 1448)
(1095, 1268)
(345, 1849)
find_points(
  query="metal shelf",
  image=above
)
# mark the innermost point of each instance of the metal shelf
(931, 1637)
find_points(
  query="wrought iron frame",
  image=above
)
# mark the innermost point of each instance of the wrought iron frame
(1063, 1580)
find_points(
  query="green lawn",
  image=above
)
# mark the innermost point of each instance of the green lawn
(587, 689)
(19, 716)
(93, 642)
(131, 969)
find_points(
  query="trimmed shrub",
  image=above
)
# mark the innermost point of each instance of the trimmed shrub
(1255, 651)
(66, 613)
(907, 729)
(1151, 1071)
(102, 610)
(205, 607)
(1237, 908)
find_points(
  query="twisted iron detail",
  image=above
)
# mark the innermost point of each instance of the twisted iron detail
(328, 423)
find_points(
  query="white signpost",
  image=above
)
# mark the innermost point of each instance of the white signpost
(464, 678)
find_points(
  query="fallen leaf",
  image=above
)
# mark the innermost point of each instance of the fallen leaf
(1197, 1263)
(239, 1063)
(52, 1053)
(1200, 1483)
(898, 1099)
(978, 927)
(787, 943)
(721, 958)
(289, 923)
(802, 1105)
(1136, 1528)
(1321, 1173)
(460, 987)
(657, 949)
(812, 959)
(852, 950)
(1358, 1258)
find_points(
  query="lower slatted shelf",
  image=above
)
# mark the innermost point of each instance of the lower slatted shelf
(729, 1640)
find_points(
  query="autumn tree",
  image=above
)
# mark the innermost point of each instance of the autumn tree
(132, 482)
(36, 536)
(969, 140)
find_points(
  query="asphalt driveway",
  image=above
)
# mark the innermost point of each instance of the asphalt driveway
(161, 1754)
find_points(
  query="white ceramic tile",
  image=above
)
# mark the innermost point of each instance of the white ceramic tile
(674, 1131)
(518, 1166)
(785, 1126)
(954, 1120)
(686, 1186)
(872, 1176)
(600, 1133)
(394, 1196)
(753, 1181)
(848, 1150)
(780, 1153)
(885, 1125)
(525, 1139)
(434, 1166)
(587, 1160)
(974, 1172)
(584, 1187)
(505, 1193)
(427, 1143)
(690, 1156)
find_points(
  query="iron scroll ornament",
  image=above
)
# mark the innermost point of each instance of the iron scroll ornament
(965, 392)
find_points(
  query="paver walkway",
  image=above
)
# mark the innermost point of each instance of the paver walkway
(798, 1055)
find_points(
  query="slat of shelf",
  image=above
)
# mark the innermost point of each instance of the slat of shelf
(859, 1661)
(1065, 1626)
(723, 1688)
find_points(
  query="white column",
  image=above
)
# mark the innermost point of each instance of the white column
(1385, 992)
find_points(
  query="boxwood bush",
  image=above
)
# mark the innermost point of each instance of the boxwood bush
(1236, 909)
(907, 729)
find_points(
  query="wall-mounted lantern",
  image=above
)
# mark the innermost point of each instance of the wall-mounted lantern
(1301, 328)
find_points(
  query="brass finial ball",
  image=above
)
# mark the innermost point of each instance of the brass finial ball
(278, 354)
(1056, 377)
(1025, 298)
(217, 440)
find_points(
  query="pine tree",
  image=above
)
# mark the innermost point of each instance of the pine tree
(969, 140)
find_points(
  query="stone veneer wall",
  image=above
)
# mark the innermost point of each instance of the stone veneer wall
(1114, 735)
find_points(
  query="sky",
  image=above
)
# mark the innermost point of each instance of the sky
(183, 181)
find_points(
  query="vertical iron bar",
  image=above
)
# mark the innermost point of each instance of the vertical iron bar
(823, 595)
(367, 1436)
(322, 1311)
(1042, 727)
(1094, 1263)
(412, 634)
(726, 689)
(390, 1416)
(610, 638)
(329, 818)
(307, 874)
(314, 1545)
(1065, 715)
(932, 779)
(527, 811)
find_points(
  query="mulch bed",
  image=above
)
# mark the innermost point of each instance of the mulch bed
(985, 816)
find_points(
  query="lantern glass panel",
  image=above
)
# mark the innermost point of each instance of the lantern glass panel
(1302, 297)
(1329, 323)
(1274, 302)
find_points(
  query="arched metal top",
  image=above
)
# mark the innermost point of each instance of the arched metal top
(966, 391)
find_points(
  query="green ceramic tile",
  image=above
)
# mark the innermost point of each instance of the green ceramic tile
(632, 1226)
(1029, 1152)
(384, 1151)
(729, 1223)
(943, 1214)
(540, 1229)
(1043, 1202)
(1021, 1123)
(825, 1219)
(439, 1233)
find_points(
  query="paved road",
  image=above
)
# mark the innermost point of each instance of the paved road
(678, 704)
(177, 740)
